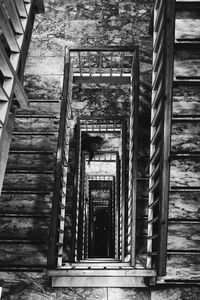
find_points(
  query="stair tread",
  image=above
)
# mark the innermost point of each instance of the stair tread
(186, 81)
(184, 5)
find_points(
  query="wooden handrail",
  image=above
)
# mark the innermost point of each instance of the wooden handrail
(16, 23)
(133, 154)
(164, 19)
(58, 177)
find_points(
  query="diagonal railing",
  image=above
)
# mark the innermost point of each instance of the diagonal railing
(163, 43)
(56, 237)
(16, 22)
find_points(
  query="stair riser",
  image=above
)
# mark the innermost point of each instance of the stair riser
(40, 162)
(36, 124)
(185, 137)
(18, 181)
(34, 142)
(26, 203)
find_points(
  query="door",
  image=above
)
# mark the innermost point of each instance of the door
(100, 223)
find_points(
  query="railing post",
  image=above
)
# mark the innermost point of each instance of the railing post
(133, 148)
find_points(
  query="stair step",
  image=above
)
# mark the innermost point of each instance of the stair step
(98, 281)
(30, 141)
(34, 133)
(29, 152)
(33, 161)
(28, 181)
(186, 118)
(96, 271)
(186, 81)
(24, 123)
(182, 155)
(192, 44)
(187, 5)
(37, 107)
(27, 171)
(24, 215)
(185, 189)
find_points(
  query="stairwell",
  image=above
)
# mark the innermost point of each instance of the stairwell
(27, 191)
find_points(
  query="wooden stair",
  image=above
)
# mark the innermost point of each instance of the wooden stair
(27, 191)
(184, 203)
(99, 274)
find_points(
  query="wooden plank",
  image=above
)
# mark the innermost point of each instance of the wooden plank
(95, 272)
(186, 100)
(46, 141)
(183, 236)
(20, 181)
(53, 236)
(187, 62)
(185, 137)
(25, 203)
(168, 71)
(36, 123)
(21, 8)
(24, 228)
(14, 16)
(102, 79)
(185, 172)
(187, 26)
(7, 30)
(183, 267)
(98, 282)
(20, 93)
(30, 161)
(41, 107)
(123, 199)
(9, 70)
(22, 254)
(5, 140)
(135, 108)
(184, 205)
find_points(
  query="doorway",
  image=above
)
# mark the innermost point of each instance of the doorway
(101, 220)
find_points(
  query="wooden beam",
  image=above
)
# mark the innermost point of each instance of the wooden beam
(7, 30)
(165, 167)
(20, 94)
(135, 113)
(88, 281)
(112, 271)
(21, 8)
(14, 16)
(5, 139)
(17, 87)
(102, 79)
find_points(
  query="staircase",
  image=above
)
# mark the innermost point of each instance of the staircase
(171, 236)
(28, 186)
(184, 219)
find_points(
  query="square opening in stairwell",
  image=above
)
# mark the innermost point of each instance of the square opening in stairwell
(101, 105)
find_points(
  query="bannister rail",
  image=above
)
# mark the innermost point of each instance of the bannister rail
(16, 22)
(163, 43)
(56, 236)
(133, 147)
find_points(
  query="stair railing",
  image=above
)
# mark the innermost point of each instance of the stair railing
(57, 224)
(163, 43)
(133, 147)
(16, 22)
(102, 62)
